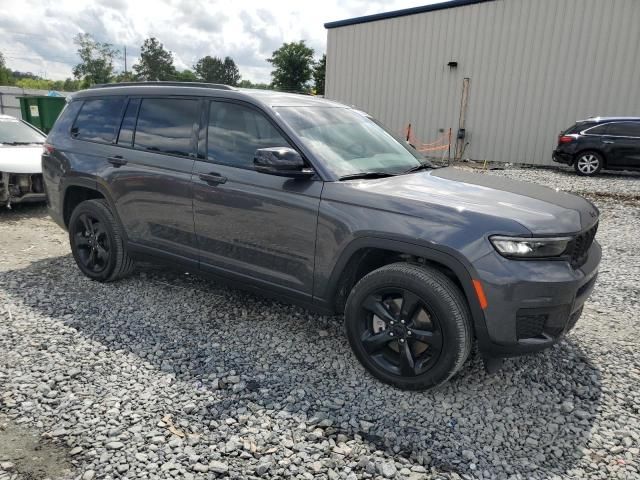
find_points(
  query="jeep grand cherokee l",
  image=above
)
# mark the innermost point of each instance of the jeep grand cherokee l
(314, 202)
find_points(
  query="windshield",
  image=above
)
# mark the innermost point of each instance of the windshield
(14, 132)
(348, 141)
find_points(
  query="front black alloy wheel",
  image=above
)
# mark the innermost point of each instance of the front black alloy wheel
(399, 332)
(409, 325)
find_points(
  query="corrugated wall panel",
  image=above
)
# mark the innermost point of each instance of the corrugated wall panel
(535, 68)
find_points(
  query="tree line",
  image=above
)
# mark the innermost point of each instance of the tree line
(294, 68)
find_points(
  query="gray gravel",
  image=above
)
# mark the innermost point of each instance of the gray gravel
(168, 375)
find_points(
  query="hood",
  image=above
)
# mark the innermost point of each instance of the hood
(21, 159)
(539, 209)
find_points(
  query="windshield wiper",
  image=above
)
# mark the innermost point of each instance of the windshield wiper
(422, 166)
(353, 176)
(21, 143)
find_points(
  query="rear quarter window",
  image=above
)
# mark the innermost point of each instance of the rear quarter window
(99, 119)
(62, 126)
(599, 129)
(578, 127)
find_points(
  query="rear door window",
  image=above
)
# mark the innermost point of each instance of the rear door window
(624, 129)
(99, 119)
(236, 131)
(167, 125)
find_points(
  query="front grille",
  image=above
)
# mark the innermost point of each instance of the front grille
(579, 247)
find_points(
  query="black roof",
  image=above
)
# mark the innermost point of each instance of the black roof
(403, 12)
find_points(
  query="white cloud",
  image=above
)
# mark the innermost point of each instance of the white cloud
(37, 36)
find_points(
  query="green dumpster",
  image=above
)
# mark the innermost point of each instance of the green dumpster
(41, 111)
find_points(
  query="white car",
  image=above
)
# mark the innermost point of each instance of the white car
(20, 162)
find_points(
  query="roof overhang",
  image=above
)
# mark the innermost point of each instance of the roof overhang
(403, 13)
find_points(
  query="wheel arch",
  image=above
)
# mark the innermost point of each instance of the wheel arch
(366, 254)
(80, 189)
(590, 149)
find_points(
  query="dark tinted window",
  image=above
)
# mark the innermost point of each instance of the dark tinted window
(125, 137)
(578, 127)
(166, 125)
(65, 120)
(235, 132)
(99, 119)
(599, 130)
(625, 129)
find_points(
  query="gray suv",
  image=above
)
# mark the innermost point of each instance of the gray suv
(316, 203)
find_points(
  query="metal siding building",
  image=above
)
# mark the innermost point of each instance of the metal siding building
(535, 66)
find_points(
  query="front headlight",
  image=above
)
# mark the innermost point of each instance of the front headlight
(518, 247)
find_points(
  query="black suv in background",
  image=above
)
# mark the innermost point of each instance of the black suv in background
(600, 142)
(316, 203)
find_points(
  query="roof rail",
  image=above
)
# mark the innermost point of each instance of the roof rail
(218, 86)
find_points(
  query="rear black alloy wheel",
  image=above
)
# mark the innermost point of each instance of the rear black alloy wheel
(97, 243)
(409, 325)
(92, 243)
(399, 332)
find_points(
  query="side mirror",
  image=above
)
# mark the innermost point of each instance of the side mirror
(281, 161)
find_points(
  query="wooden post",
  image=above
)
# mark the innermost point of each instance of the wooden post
(464, 100)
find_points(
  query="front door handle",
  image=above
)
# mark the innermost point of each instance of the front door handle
(607, 141)
(117, 161)
(213, 178)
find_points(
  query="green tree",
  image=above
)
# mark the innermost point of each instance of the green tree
(156, 63)
(6, 77)
(186, 76)
(96, 60)
(319, 70)
(216, 70)
(35, 83)
(123, 77)
(70, 85)
(293, 67)
(250, 84)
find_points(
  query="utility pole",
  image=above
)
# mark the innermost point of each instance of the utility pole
(125, 59)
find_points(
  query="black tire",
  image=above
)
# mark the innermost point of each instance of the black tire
(416, 299)
(97, 243)
(588, 163)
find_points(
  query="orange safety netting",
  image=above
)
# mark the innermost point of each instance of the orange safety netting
(443, 142)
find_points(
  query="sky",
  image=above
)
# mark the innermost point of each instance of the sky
(37, 35)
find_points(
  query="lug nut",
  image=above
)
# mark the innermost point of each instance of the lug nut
(391, 334)
(402, 322)
(402, 340)
(409, 332)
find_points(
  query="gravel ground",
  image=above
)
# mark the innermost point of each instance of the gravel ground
(168, 375)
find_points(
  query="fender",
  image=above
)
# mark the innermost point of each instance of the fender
(92, 184)
(448, 257)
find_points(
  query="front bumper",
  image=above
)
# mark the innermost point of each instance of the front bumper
(21, 188)
(532, 304)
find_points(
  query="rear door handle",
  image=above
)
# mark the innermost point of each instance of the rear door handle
(117, 161)
(607, 141)
(213, 178)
